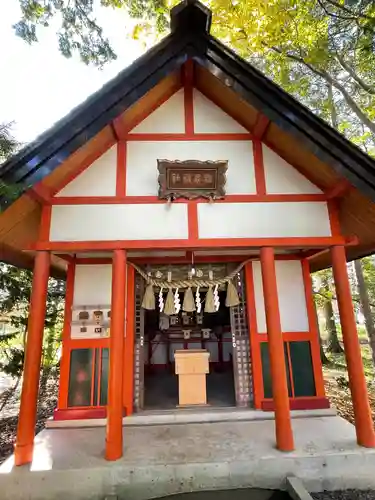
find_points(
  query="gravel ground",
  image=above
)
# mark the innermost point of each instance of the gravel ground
(9, 416)
(345, 495)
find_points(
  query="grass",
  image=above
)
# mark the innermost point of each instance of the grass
(338, 362)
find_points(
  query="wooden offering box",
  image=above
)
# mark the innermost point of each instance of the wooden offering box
(191, 368)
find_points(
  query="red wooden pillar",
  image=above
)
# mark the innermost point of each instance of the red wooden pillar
(357, 382)
(30, 383)
(117, 331)
(284, 434)
(129, 342)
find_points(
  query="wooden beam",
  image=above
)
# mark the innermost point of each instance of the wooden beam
(261, 126)
(114, 131)
(188, 73)
(338, 190)
(118, 128)
(350, 241)
(40, 193)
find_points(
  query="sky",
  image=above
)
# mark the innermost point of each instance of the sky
(38, 86)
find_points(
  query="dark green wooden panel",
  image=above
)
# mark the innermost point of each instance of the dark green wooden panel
(104, 377)
(266, 370)
(302, 367)
(96, 376)
(80, 377)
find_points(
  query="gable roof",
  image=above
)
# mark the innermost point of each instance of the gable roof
(189, 39)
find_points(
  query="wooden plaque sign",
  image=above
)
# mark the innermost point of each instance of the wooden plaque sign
(192, 179)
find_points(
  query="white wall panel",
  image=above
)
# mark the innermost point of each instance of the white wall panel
(118, 222)
(259, 300)
(168, 118)
(99, 179)
(262, 220)
(142, 174)
(282, 178)
(174, 346)
(195, 345)
(159, 352)
(92, 284)
(210, 119)
(213, 349)
(291, 294)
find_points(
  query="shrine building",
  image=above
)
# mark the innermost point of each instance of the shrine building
(187, 203)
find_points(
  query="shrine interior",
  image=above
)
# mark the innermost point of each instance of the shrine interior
(187, 330)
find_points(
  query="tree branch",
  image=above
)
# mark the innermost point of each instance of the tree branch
(331, 80)
(365, 86)
(331, 14)
(333, 297)
(354, 15)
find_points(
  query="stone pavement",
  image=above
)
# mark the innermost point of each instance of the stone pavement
(167, 459)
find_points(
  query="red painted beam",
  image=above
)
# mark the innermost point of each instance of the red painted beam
(261, 125)
(339, 189)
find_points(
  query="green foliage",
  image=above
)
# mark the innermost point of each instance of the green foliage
(78, 32)
(15, 290)
(8, 144)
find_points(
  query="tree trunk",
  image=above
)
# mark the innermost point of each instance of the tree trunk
(323, 357)
(333, 344)
(365, 306)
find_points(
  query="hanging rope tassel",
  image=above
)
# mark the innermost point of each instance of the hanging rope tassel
(148, 301)
(209, 306)
(232, 298)
(169, 307)
(188, 304)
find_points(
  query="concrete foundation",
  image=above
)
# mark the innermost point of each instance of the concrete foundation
(166, 459)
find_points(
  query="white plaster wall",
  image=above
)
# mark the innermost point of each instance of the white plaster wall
(291, 295)
(118, 222)
(212, 348)
(142, 174)
(210, 119)
(175, 346)
(168, 118)
(99, 179)
(282, 178)
(159, 355)
(195, 345)
(92, 285)
(262, 220)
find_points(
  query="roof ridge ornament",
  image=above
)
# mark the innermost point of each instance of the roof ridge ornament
(191, 16)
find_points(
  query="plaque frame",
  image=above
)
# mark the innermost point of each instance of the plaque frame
(191, 169)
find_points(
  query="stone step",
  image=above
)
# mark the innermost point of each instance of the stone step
(190, 416)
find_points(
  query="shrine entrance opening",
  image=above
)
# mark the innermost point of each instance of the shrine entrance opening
(166, 334)
(223, 333)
